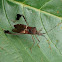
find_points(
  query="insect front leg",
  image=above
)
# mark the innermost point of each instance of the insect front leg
(38, 40)
(40, 30)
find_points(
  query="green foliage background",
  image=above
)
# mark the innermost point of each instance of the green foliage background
(40, 14)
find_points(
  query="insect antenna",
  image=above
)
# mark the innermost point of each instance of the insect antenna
(42, 34)
(54, 27)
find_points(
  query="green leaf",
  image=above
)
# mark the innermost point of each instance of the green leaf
(45, 14)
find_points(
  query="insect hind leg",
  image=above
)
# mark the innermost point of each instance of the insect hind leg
(25, 19)
(19, 16)
(8, 32)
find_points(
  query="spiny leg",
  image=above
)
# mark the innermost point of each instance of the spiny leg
(33, 43)
(38, 40)
(18, 17)
(25, 19)
(8, 32)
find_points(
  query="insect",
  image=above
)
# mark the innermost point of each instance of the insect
(25, 29)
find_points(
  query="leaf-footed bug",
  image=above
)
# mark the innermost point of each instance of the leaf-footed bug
(25, 29)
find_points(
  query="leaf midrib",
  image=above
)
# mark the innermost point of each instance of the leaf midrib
(35, 8)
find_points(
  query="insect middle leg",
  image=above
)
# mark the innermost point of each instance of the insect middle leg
(33, 43)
